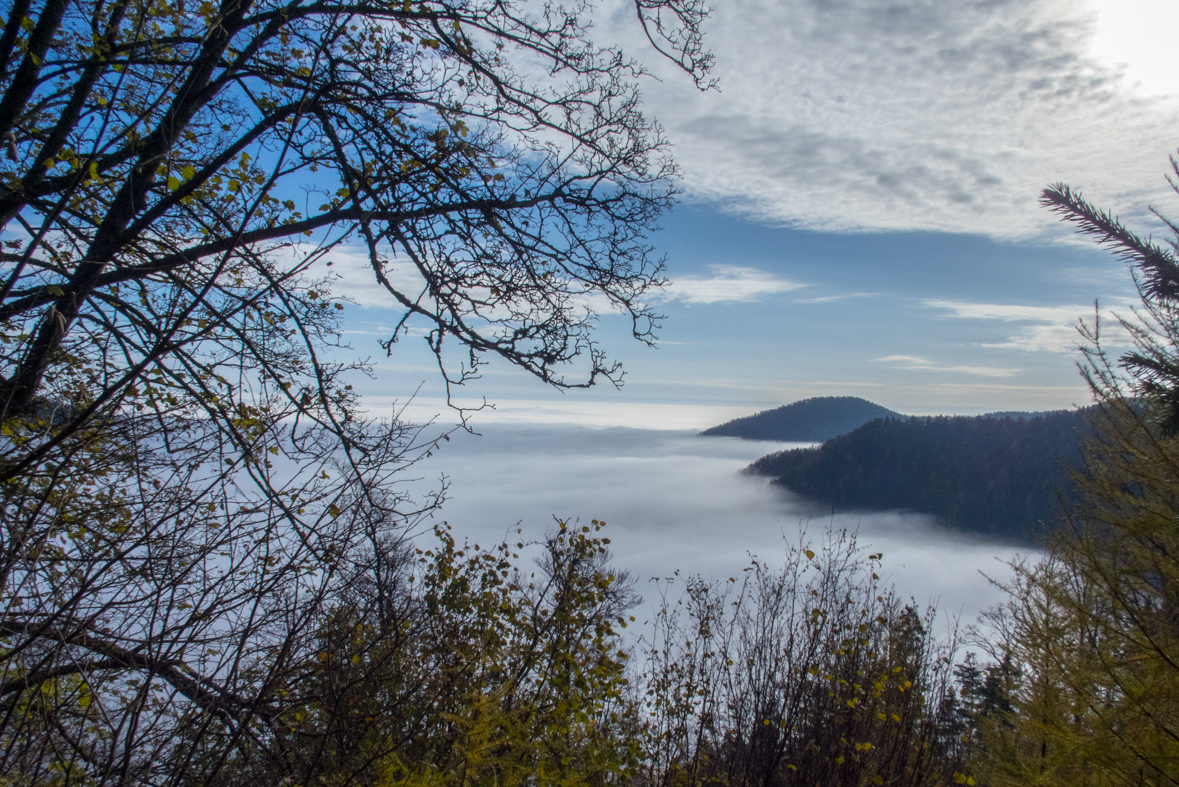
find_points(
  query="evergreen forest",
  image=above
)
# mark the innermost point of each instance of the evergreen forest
(1000, 477)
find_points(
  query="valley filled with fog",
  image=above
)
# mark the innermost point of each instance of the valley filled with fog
(673, 500)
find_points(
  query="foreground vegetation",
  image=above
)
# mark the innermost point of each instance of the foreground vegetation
(205, 567)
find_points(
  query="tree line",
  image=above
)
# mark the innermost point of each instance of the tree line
(1001, 477)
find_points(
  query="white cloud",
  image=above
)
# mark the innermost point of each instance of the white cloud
(629, 414)
(1042, 338)
(729, 283)
(1008, 312)
(910, 359)
(663, 495)
(358, 282)
(921, 364)
(1052, 328)
(833, 298)
(352, 275)
(915, 114)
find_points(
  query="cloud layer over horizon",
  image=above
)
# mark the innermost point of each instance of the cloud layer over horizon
(673, 501)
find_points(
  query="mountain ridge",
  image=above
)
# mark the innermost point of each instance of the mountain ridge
(997, 475)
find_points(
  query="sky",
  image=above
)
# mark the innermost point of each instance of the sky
(859, 212)
(859, 216)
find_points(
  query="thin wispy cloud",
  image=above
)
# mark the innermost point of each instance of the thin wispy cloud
(728, 284)
(1049, 391)
(352, 277)
(916, 363)
(1046, 329)
(985, 396)
(916, 114)
(1008, 312)
(833, 298)
(356, 281)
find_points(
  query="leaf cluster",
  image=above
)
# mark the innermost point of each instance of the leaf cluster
(810, 674)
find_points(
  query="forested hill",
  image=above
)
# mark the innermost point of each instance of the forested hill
(806, 421)
(992, 476)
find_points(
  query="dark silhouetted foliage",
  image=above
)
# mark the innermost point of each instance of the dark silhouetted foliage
(999, 477)
(809, 674)
(202, 531)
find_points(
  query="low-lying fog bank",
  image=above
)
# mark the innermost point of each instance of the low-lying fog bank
(674, 500)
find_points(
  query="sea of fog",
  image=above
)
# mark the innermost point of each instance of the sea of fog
(675, 501)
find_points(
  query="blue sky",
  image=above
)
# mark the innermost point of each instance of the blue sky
(860, 211)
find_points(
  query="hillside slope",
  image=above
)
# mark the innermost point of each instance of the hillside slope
(806, 421)
(998, 477)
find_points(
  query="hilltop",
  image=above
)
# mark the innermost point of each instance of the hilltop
(805, 421)
(993, 475)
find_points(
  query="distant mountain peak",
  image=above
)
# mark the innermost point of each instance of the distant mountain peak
(807, 421)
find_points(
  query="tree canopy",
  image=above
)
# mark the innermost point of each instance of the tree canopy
(1086, 646)
(160, 155)
(197, 519)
